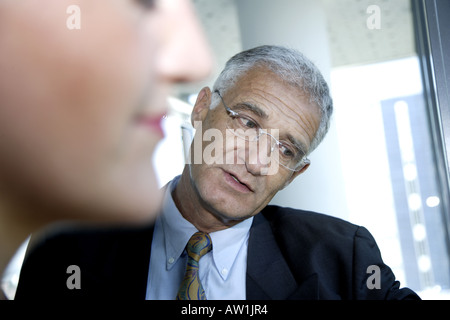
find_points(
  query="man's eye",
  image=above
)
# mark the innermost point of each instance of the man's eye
(286, 152)
(247, 123)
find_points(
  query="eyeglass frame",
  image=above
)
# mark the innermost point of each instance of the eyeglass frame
(231, 113)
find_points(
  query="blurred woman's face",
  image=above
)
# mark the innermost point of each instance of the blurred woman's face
(80, 109)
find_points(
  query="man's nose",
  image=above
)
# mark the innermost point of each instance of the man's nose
(185, 55)
(258, 158)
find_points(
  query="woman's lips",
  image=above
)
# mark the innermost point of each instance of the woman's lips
(154, 123)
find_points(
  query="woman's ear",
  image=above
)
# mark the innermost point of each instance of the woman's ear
(201, 106)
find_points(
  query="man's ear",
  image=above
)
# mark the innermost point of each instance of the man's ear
(295, 175)
(201, 106)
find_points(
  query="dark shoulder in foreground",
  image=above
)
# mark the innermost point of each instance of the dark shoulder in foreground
(111, 260)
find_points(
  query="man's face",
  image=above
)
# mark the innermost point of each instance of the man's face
(81, 109)
(285, 109)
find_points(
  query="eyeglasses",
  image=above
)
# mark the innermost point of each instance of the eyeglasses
(285, 153)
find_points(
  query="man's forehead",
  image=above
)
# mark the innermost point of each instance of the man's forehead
(263, 89)
(262, 80)
(258, 74)
(265, 93)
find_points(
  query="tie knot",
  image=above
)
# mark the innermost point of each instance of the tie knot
(199, 245)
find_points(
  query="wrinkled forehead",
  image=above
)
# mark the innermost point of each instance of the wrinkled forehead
(263, 79)
(276, 95)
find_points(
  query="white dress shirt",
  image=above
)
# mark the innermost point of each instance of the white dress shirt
(222, 270)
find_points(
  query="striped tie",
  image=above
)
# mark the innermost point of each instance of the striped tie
(191, 288)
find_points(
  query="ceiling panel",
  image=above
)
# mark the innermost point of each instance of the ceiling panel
(351, 41)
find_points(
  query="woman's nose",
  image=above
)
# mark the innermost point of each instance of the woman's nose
(185, 55)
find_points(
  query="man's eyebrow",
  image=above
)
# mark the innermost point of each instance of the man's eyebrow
(247, 106)
(299, 145)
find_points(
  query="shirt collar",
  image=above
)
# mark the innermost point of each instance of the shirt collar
(177, 231)
(226, 245)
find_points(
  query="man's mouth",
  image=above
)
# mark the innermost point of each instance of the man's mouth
(234, 181)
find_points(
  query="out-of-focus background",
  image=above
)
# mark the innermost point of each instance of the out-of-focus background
(380, 165)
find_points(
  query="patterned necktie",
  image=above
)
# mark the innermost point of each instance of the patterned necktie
(191, 288)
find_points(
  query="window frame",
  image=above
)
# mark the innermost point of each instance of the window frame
(432, 26)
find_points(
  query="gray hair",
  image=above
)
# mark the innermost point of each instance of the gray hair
(291, 66)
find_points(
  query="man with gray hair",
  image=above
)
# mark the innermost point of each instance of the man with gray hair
(217, 237)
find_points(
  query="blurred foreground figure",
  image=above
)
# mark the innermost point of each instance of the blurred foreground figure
(83, 88)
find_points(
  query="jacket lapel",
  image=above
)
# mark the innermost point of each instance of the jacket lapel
(268, 274)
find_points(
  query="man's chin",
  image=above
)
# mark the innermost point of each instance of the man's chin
(229, 217)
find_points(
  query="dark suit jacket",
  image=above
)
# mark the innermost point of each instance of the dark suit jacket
(292, 254)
